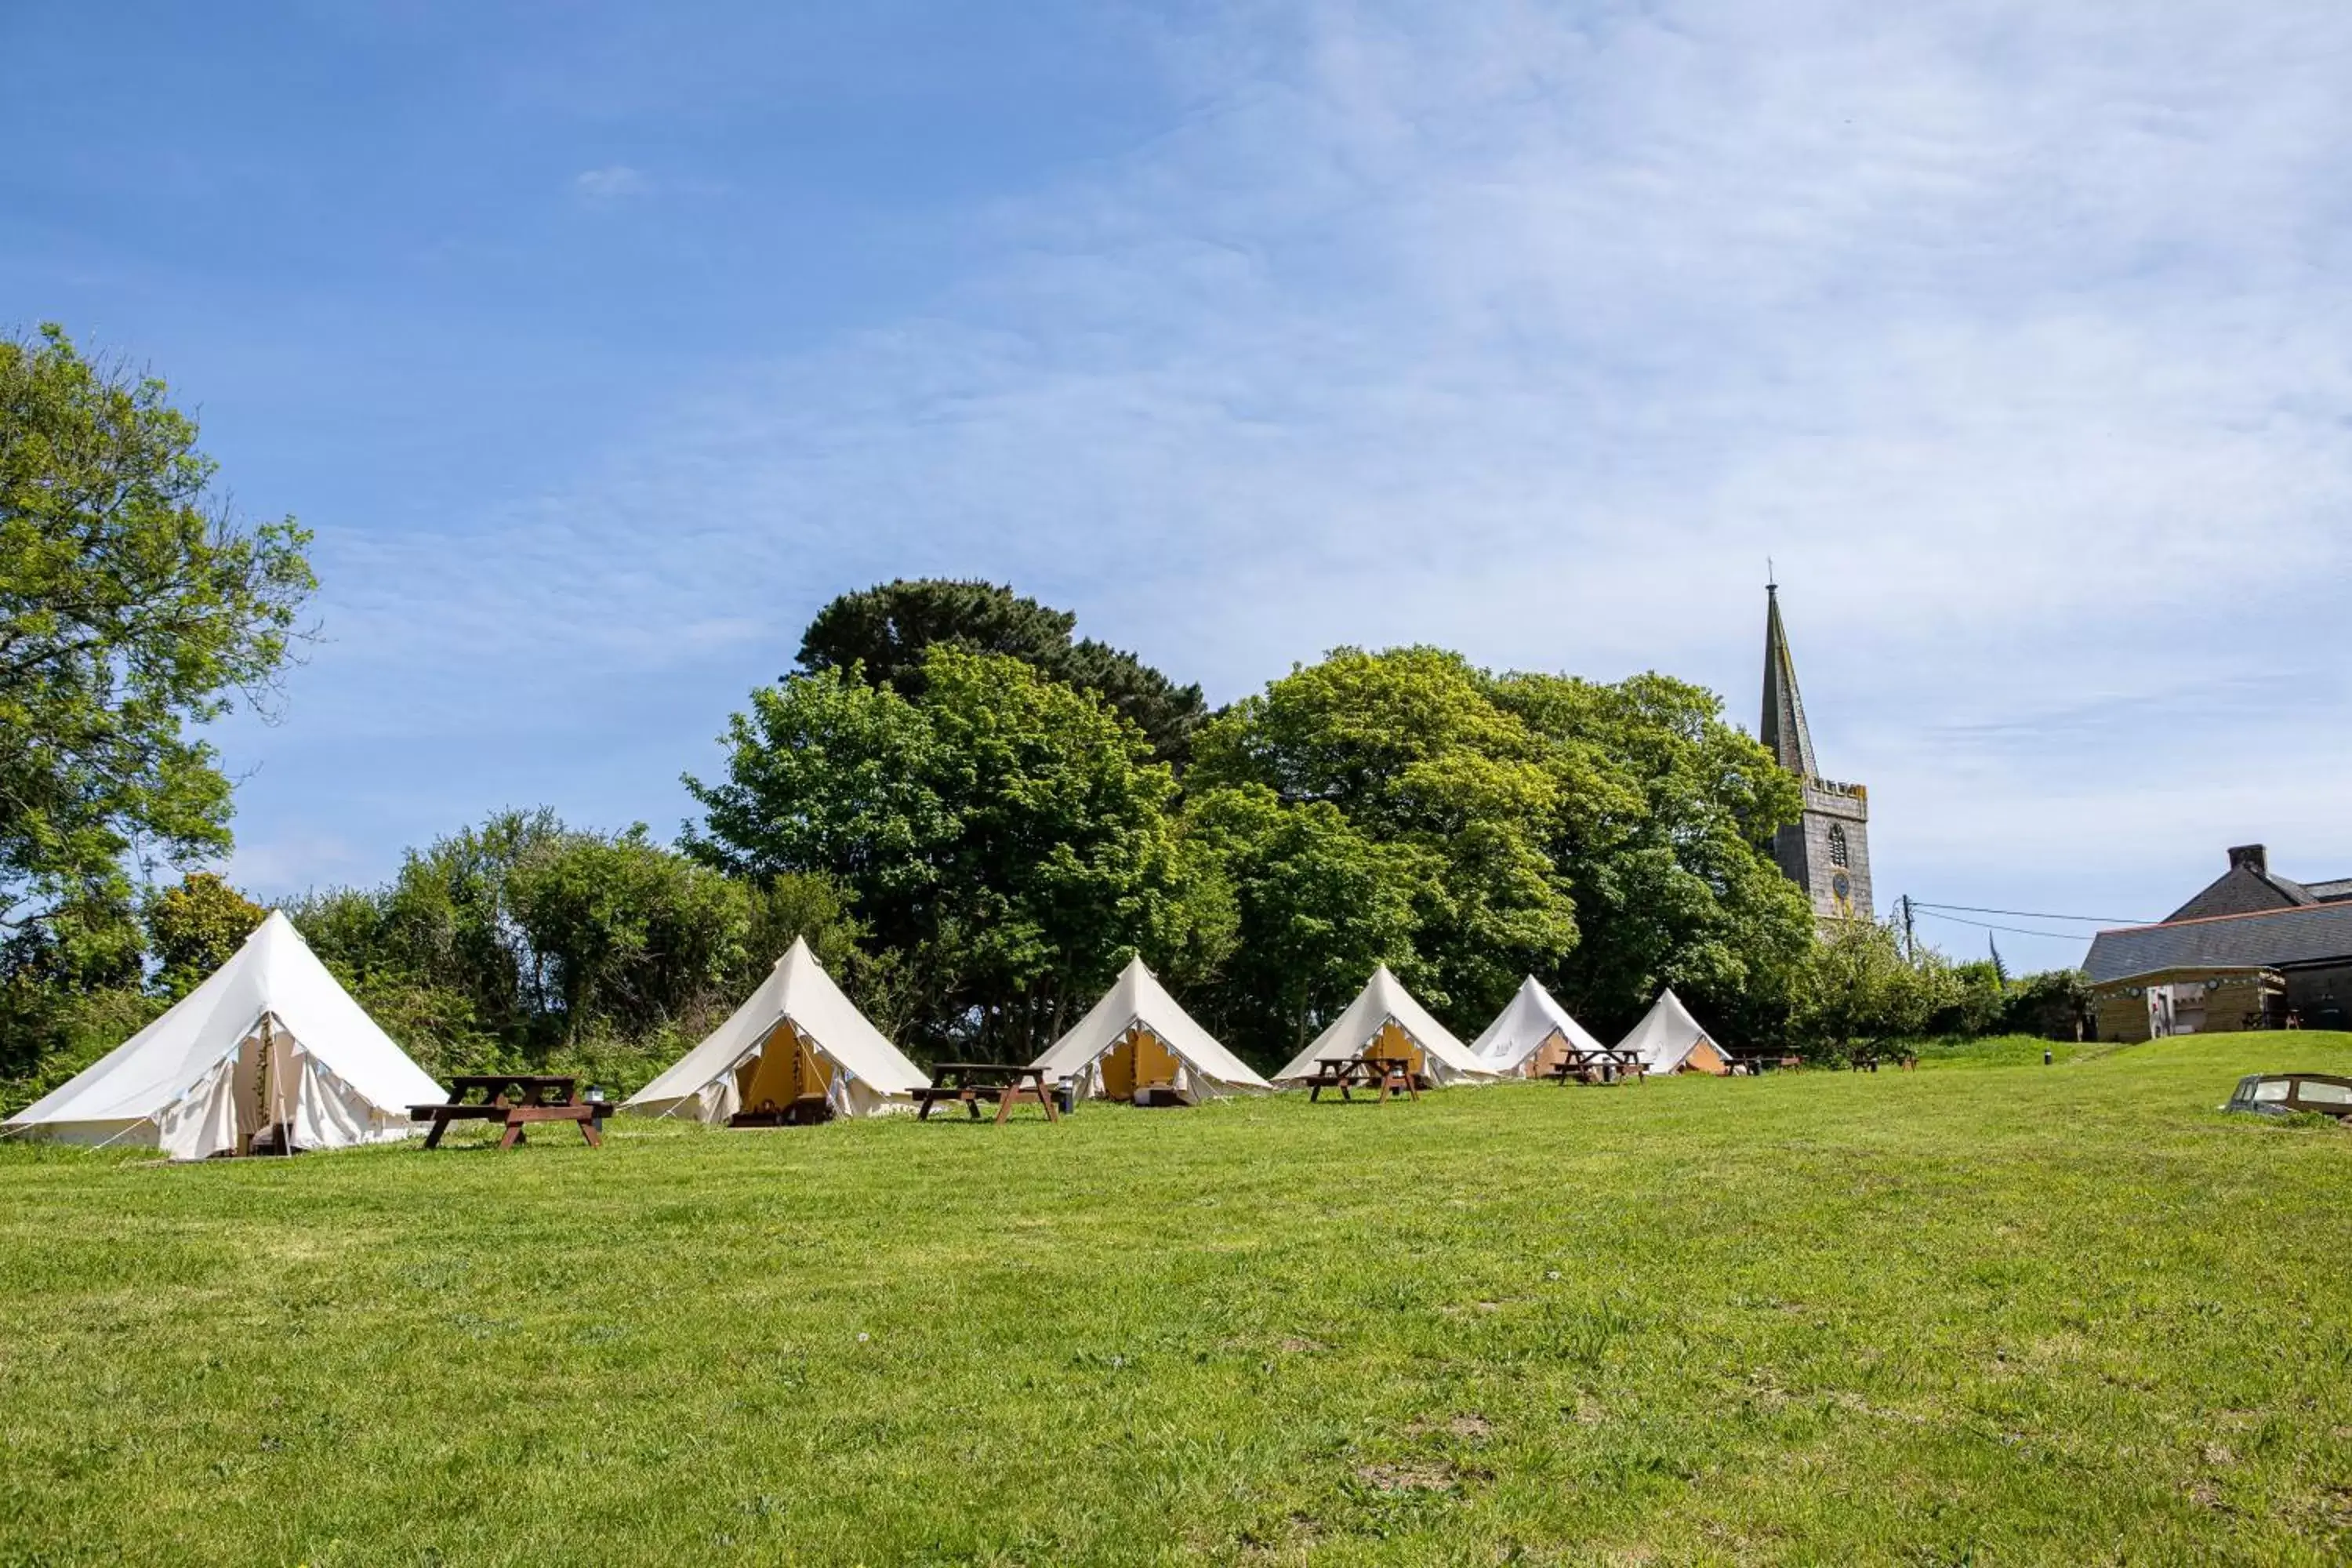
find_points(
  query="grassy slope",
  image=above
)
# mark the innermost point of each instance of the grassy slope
(2002, 1314)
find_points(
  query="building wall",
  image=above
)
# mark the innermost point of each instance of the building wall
(2236, 1000)
(1806, 850)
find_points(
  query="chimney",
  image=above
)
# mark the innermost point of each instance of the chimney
(2251, 857)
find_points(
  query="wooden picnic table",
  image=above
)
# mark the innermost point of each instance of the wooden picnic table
(519, 1100)
(1387, 1074)
(1754, 1064)
(1606, 1065)
(1010, 1083)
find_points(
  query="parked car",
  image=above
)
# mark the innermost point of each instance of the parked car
(2280, 1093)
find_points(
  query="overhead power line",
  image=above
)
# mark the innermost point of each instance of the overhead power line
(2035, 914)
(1934, 913)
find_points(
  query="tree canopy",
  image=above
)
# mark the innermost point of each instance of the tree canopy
(1009, 835)
(886, 631)
(1662, 837)
(133, 608)
(1410, 751)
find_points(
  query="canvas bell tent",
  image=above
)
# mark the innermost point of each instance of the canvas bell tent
(798, 1050)
(269, 1044)
(1668, 1039)
(1531, 1036)
(1137, 1040)
(1385, 1021)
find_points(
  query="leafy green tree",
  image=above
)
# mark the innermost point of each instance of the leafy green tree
(827, 775)
(626, 931)
(449, 922)
(1319, 906)
(92, 942)
(194, 926)
(1663, 835)
(1858, 996)
(1979, 999)
(133, 609)
(1010, 836)
(500, 943)
(886, 631)
(1410, 748)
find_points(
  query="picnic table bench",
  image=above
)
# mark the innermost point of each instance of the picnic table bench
(1008, 1083)
(1606, 1065)
(519, 1100)
(1387, 1074)
(1755, 1063)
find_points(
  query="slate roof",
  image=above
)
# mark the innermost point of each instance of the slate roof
(1783, 729)
(2330, 892)
(2310, 934)
(2243, 890)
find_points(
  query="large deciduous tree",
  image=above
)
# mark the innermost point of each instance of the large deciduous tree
(133, 608)
(1409, 748)
(886, 631)
(1318, 905)
(1010, 836)
(1663, 830)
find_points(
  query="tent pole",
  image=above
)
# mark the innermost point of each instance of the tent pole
(270, 1084)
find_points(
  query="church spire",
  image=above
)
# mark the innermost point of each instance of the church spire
(1783, 729)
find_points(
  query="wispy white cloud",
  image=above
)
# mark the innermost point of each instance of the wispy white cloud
(2018, 334)
(613, 183)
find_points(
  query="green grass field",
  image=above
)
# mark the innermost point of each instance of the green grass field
(1987, 1312)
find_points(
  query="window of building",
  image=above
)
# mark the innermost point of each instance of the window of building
(1839, 854)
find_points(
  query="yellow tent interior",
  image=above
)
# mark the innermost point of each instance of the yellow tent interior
(1554, 1050)
(1705, 1057)
(1141, 1059)
(786, 1070)
(1393, 1045)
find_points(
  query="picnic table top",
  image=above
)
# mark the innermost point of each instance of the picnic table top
(533, 1088)
(971, 1070)
(1366, 1059)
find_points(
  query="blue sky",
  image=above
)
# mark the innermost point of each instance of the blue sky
(602, 344)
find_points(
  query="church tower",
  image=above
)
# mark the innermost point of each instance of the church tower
(1827, 851)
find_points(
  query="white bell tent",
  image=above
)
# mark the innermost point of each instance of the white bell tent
(1532, 1035)
(1137, 1039)
(269, 1041)
(1385, 1021)
(1668, 1039)
(797, 1039)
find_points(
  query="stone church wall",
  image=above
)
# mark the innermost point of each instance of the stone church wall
(1808, 853)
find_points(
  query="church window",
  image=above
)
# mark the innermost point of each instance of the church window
(1839, 854)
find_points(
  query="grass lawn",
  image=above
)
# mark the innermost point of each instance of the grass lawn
(1986, 1312)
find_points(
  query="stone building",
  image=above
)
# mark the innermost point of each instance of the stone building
(1827, 851)
(2252, 949)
